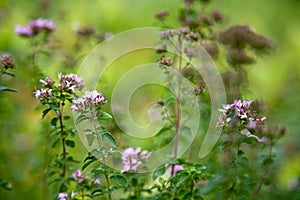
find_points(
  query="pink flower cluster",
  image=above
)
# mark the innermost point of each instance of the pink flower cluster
(132, 159)
(177, 168)
(241, 110)
(89, 99)
(78, 177)
(69, 82)
(35, 27)
(43, 93)
(64, 195)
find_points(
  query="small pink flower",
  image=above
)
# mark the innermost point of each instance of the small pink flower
(132, 159)
(73, 193)
(24, 31)
(177, 168)
(96, 181)
(63, 196)
(77, 174)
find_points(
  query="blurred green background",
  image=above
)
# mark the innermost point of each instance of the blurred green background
(274, 79)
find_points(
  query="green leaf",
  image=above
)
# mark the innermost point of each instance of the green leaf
(7, 89)
(71, 159)
(90, 138)
(67, 117)
(45, 112)
(10, 74)
(158, 172)
(119, 180)
(88, 160)
(5, 184)
(170, 101)
(97, 192)
(81, 118)
(54, 121)
(182, 177)
(186, 132)
(70, 143)
(55, 142)
(54, 106)
(109, 138)
(105, 116)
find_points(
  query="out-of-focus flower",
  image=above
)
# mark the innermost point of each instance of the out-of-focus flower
(73, 193)
(48, 82)
(63, 196)
(7, 61)
(76, 174)
(177, 168)
(89, 99)
(165, 61)
(96, 181)
(39, 25)
(161, 15)
(35, 27)
(78, 177)
(24, 31)
(132, 159)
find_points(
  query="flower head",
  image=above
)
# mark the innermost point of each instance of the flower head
(69, 82)
(39, 25)
(43, 93)
(177, 168)
(132, 159)
(23, 31)
(35, 27)
(63, 196)
(89, 99)
(7, 61)
(78, 177)
(48, 82)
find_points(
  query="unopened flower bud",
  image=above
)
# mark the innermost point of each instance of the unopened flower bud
(165, 61)
(7, 61)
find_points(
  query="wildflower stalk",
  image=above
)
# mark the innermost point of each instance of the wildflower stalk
(94, 117)
(265, 174)
(63, 139)
(177, 121)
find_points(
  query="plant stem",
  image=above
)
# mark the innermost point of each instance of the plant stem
(177, 120)
(263, 178)
(94, 116)
(63, 139)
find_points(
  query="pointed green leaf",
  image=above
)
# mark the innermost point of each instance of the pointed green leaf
(45, 112)
(70, 143)
(54, 121)
(7, 89)
(105, 116)
(81, 118)
(109, 138)
(119, 179)
(90, 138)
(158, 172)
(182, 177)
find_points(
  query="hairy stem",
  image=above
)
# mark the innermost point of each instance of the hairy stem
(265, 175)
(94, 117)
(63, 139)
(178, 98)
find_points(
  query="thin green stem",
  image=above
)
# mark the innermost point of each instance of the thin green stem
(178, 108)
(265, 175)
(94, 117)
(63, 139)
